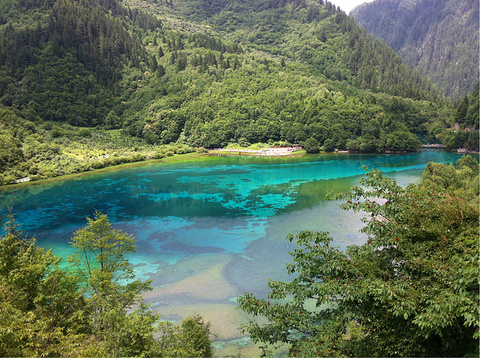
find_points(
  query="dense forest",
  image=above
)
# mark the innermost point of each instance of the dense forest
(437, 37)
(465, 133)
(88, 84)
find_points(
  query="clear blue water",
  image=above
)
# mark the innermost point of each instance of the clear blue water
(219, 222)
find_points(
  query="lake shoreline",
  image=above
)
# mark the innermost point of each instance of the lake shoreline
(265, 152)
(24, 182)
(174, 159)
(260, 153)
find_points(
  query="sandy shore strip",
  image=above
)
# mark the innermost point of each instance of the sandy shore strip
(274, 151)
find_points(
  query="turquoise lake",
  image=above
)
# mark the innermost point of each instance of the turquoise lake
(211, 229)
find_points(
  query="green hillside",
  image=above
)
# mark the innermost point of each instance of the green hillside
(89, 84)
(439, 38)
(308, 32)
(88, 79)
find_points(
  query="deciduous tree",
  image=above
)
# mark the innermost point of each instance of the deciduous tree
(96, 312)
(410, 290)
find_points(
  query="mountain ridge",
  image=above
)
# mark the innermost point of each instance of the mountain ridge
(439, 38)
(161, 79)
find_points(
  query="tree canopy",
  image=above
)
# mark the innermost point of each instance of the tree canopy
(95, 309)
(410, 290)
(204, 75)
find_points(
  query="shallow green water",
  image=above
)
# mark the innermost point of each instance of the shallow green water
(210, 230)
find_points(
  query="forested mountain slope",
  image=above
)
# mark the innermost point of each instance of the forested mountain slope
(314, 33)
(199, 74)
(61, 59)
(438, 37)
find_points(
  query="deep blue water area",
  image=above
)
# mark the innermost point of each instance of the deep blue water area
(221, 222)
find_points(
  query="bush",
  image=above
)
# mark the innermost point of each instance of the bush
(311, 145)
(84, 132)
(329, 145)
(195, 336)
(202, 150)
(97, 164)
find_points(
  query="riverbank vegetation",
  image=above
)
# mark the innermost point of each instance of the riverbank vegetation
(464, 133)
(58, 149)
(410, 290)
(134, 80)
